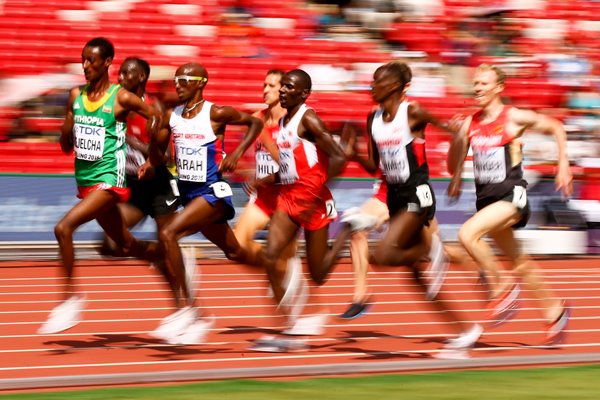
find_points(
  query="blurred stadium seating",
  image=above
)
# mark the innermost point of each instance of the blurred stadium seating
(46, 36)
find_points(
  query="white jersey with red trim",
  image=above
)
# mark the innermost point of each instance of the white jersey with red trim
(299, 159)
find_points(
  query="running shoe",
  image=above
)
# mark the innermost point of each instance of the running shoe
(451, 354)
(296, 290)
(505, 307)
(356, 309)
(310, 325)
(438, 267)
(64, 316)
(556, 331)
(175, 324)
(358, 220)
(195, 333)
(466, 340)
(277, 344)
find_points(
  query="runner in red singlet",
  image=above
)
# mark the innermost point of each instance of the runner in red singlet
(494, 134)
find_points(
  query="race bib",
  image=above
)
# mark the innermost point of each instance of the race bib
(519, 197)
(331, 210)
(489, 166)
(221, 189)
(394, 163)
(287, 166)
(174, 187)
(89, 142)
(265, 165)
(191, 163)
(424, 195)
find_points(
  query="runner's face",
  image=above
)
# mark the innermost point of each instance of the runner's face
(486, 87)
(94, 66)
(271, 88)
(186, 89)
(130, 76)
(383, 85)
(291, 92)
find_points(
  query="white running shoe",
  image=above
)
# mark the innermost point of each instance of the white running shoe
(465, 340)
(311, 325)
(189, 264)
(438, 267)
(450, 354)
(175, 324)
(195, 333)
(273, 344)
(296, 290)
(358, 220)
(64, 316)
(291, 281)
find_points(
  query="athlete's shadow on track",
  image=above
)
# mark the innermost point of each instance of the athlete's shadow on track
(501, 347)
(125, 342)
(358, 337)
(236, 330)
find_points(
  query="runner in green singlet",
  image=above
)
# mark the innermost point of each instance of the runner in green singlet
(94, 128)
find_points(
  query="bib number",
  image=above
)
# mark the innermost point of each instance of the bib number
(89, 142)
(221, 190)
(489, 166)
(331, 210)
(192, 163)
(519, 197)
(424, 195)
(287, 167)
(174, 187)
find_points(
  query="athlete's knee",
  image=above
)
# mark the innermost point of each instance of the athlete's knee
(166, 235)
(236, 254)
(63, 231)
(467, 237)
(358, 238)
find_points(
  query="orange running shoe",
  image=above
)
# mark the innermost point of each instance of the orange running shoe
(505, 307)
(557, 331)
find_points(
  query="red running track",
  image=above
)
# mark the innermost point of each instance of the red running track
(402, 331)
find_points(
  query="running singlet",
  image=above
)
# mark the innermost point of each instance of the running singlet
(99, 140)
(198, 151)
(494, 152)
(300, 161)
(136, 127)
(402, 156)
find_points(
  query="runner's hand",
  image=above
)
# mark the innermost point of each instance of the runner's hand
(146, 171)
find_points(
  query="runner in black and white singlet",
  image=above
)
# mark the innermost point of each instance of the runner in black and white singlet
(494, 134)
(205, 195)
(397, 146)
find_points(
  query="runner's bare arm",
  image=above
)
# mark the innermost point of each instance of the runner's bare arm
(127, 101)
(142, 147)
(226, 115)
(267, 140)
(314, 126)
(421, 116)
(457, 154)
(528, 119)
(66, 131)
(371, 162)
(159, 144)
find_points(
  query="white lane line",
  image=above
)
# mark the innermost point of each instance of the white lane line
(298, 356)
